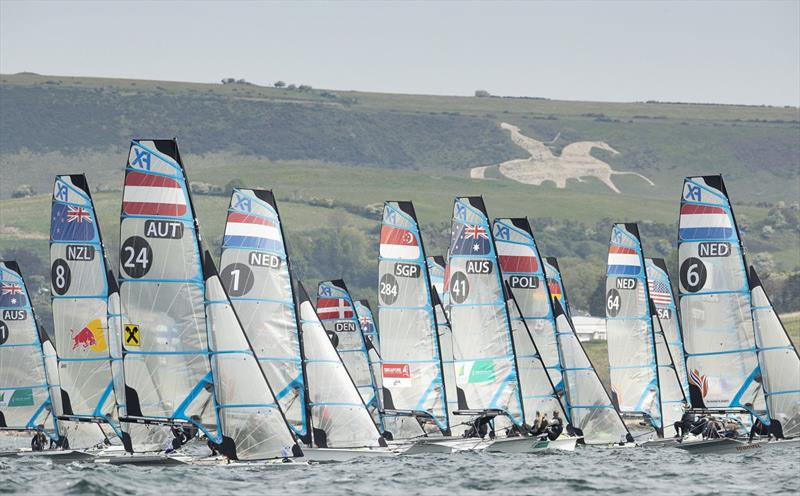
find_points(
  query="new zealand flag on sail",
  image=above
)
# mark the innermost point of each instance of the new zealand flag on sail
(469, 239)
(71, 223)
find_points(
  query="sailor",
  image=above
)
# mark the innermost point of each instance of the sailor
(684, 425)
(699, 426)
(714, 429)
(541, 426)
(555, 428)
(758, 429)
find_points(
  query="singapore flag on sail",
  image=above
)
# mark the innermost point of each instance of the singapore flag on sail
(398, 243)
(396, 375)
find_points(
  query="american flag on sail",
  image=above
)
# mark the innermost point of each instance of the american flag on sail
(334, 308)
(151, 194)
(660, 292)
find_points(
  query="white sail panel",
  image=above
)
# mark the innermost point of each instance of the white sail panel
(252, 425)
(166, 361)
(339, 416)
(591, 411)
(660, 291)
(715, 300)
(337, 314)
(411, 361)
(631, 346)
(25, 402)
(255, 270)
(369, 329)
(779, 361)
(486, 369)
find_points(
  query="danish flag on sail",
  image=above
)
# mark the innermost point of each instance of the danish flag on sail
(398, 243)
(334, 308)
(150, 194)
(623, 261)
(704, 222)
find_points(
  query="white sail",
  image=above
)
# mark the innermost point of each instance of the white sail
(369, 329)
(255, 270)
(486, 368)
(166, 360)
(25, 393)
(339, 417)
(631, 342)
(779, 361)
(660, 291)
(591, 411)
(251, 424)
(670, 393)
(410, 350)
(715, 301)
(337, 314)
(536, 340)
(81, 285)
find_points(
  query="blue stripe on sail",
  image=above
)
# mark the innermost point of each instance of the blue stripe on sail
(624, 270)
(711, 233)
(253, 242)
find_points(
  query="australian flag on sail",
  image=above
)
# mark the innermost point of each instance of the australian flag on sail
(470, 239)
(251, 231)
(71, 223)
(11, 295)
(704, 222)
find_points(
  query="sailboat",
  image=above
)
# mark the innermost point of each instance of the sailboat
(337, 313)
(321, 403)
(644, 380)
(414, 396)
(536, 344)
(85, 312)
(25, 394)
(592, 413)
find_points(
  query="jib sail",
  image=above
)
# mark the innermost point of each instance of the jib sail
(715, 300)
(483, 347)
(255, 270)
(410, 349)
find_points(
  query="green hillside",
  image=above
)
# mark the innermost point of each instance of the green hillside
(333, 157)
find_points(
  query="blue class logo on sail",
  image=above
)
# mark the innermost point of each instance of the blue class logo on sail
(469, 239)
(70, 223)
(704, 222)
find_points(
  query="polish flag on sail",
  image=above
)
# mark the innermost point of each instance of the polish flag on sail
(150, 194)
(516, 258)
(398, 243)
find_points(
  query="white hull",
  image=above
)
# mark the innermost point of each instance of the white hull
(564, 443)
(734, 446)
(57, 455)
(518, 445)
(137, 459)
(343, 454)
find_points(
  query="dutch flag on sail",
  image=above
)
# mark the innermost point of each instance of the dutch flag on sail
(150, 194)
(623, 261)
(398, 243)
(251, 231)
(704, 222)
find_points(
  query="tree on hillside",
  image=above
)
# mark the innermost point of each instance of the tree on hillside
(482, 93)
(279, 84)
(23, 191)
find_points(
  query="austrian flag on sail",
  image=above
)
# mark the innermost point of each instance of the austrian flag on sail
(149, 194)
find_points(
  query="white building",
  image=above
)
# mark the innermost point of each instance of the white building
(590, 328)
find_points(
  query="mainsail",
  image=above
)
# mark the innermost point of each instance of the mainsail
(251, 424)
(631, 342)
(337, 314)
(85, 323)
(715, 301)
(339, 417)
(523, 272)
(25, 393)
(660, 292)
(779, 361)
(162, 291)
(369, 329)
(591, 411)
(410, 349)
(255, 270)
(486, 367)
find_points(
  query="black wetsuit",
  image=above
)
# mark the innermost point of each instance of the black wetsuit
(684, 425)
(555, 428)
(758, 429)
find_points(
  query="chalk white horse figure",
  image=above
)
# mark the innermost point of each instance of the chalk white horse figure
(575, 162)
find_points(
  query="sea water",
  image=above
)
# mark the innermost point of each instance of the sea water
(637, 471)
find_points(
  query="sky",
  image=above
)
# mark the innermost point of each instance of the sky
(722, 52)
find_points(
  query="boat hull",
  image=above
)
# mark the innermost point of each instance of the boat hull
(734, 446)
(343, 454)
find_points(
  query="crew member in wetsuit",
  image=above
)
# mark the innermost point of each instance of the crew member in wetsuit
(685, 424)
(758, 429)
(555, 428)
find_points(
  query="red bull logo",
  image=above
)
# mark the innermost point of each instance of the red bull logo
(90, 337)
